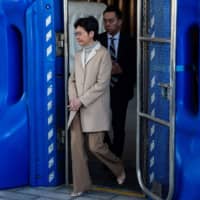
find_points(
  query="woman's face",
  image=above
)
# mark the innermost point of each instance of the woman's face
(83, 37)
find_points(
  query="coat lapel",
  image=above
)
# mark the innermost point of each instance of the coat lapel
(90, 56)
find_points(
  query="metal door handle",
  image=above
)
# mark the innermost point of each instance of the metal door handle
(165, 90)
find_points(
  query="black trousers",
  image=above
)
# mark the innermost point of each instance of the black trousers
(119, 106)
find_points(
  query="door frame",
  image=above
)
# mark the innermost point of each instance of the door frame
(142, 115)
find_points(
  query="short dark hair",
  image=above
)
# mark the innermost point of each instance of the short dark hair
(89, 24)
(114, 9)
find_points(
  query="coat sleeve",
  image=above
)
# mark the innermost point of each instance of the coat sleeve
(72, 92)
(102, 82)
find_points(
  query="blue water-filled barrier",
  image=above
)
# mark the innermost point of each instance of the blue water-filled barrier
(14, 137)
(188, 101)
(28, 151)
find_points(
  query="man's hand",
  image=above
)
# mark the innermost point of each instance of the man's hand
(116, 69)
(74, 104)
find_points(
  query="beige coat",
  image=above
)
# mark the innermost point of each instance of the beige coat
(90, 82)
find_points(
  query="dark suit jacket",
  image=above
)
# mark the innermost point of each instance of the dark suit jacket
(127, 60)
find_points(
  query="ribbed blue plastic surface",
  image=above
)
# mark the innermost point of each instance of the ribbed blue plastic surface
(41, 92)
(158, 103)
(28, 151)
(188, 101)
(14, 127)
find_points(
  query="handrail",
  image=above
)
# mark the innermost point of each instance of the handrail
(153, 39)
(157, 120)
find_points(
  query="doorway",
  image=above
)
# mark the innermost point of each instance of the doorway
(101, 177)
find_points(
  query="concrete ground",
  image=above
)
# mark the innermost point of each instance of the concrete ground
(62, 193)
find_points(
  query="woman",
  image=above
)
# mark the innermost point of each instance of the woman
(89, 105)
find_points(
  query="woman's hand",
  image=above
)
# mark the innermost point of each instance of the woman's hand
(74, 104)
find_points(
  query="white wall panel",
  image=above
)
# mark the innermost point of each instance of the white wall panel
(82, 9)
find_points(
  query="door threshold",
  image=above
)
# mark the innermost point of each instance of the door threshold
(118, 191)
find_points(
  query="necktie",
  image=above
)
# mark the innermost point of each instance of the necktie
(114, 79)
(112, 49)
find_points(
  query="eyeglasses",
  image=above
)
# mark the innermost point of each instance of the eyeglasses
(78, 33)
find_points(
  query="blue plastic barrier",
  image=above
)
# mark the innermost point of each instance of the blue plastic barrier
(14, 138)
(188, 101)
(28, 150)
(41, 92)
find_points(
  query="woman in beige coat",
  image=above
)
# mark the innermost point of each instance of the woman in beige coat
(89, 105)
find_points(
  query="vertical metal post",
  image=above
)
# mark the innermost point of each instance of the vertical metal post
(66, 69)
(172, 102)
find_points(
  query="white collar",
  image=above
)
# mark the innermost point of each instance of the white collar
(91, 54)
(116, 36)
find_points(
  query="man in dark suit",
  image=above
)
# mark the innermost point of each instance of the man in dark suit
(121, 47)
